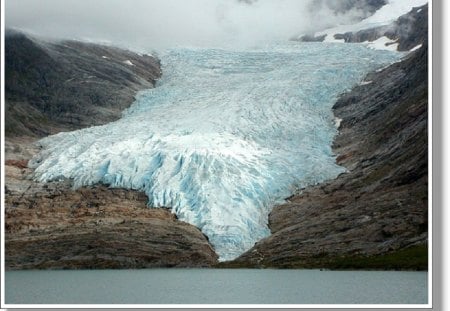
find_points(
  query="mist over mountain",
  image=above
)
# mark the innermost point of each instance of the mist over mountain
(343, 11)
(153, 24)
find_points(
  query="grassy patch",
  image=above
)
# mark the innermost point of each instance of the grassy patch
(412, 258)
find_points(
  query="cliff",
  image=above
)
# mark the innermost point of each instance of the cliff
(54, 227)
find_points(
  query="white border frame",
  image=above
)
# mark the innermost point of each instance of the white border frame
(2, 157)
(257, 306)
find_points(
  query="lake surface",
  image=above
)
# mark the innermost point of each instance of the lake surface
(215, 286)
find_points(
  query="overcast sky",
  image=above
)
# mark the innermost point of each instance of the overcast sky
(156, 24)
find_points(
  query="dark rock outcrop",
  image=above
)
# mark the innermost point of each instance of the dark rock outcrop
(58, 86)
(312, 38)
(380, 206)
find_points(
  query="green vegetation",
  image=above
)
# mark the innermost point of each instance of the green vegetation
(411, 258)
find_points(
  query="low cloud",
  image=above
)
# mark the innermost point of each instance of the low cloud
(157, 24)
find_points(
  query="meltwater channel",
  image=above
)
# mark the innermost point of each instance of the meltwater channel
(224, 136)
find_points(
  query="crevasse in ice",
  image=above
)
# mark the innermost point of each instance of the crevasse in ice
(224, 136)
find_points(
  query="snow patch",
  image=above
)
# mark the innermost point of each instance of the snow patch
(416, 48)
(365, 82)
(383, 43)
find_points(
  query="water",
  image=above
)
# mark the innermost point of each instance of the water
(225, 135)
(215, 286)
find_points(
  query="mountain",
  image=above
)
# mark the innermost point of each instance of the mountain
(59, 86)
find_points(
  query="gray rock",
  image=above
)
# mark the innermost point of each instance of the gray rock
(408, 31)
(59, 86)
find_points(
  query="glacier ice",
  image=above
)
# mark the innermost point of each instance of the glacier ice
(224, 136)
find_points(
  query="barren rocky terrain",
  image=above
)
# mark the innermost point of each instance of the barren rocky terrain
(54, 86)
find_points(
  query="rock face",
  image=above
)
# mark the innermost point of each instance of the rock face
(66, 85)
(408, 31)
(380, 206)
(58, 86)
(98, 228)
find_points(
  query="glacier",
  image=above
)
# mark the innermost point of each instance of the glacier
(224, 136)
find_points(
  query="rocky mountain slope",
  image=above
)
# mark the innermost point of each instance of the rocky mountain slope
(59, 86)
(376, 214)
(408, 31)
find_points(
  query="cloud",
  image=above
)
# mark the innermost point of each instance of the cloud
(155, 24)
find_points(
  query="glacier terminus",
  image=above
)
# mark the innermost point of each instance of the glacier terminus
(225, 135)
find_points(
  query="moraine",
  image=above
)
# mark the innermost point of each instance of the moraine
(224, 136)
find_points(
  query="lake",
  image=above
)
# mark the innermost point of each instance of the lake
(215, 286)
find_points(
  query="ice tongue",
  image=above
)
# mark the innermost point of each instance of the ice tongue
(224, 136)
